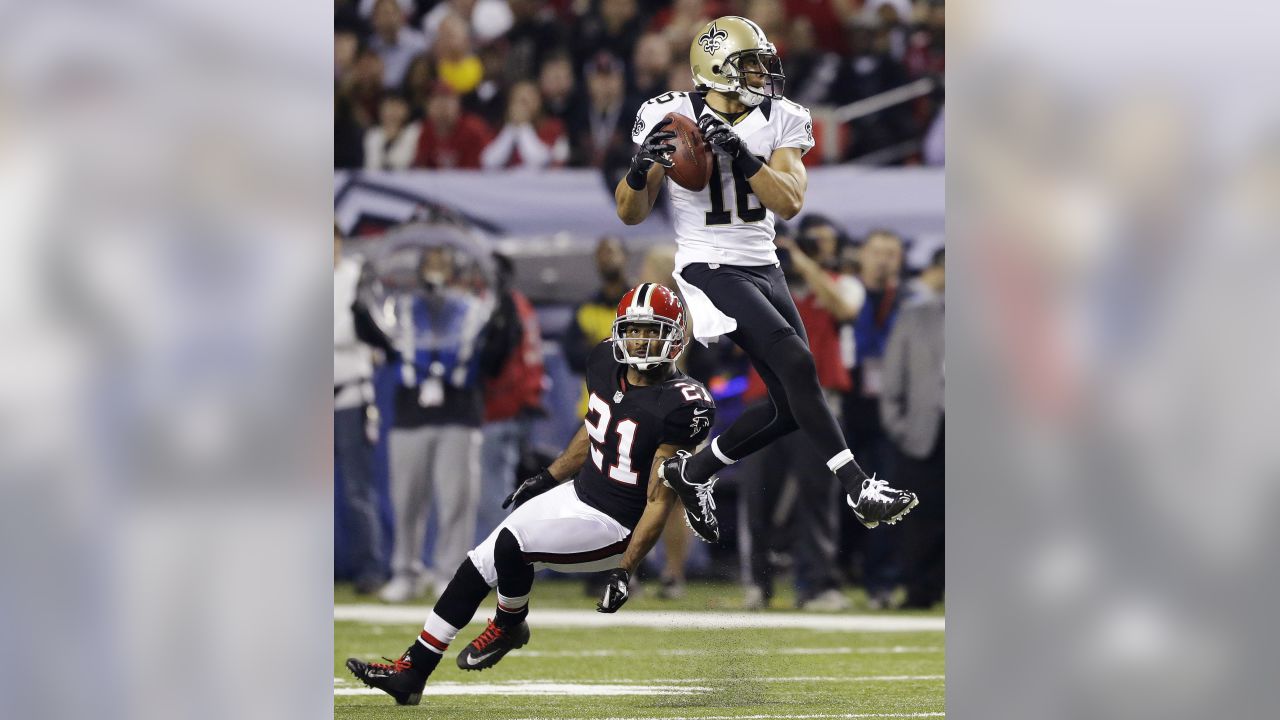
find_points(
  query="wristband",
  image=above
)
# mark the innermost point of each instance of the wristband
(747, 163)
(637, 180)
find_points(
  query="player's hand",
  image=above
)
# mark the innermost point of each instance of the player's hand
(531, 488)
(721, 136)
(615, 591)
(655, 148)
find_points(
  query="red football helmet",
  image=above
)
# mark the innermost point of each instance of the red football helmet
(648, 305)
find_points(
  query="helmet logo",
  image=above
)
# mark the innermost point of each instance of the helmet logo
(635, 129)
(712, 39)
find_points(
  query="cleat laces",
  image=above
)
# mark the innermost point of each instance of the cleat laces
(398, 665)
(706, 503)
(491, 633)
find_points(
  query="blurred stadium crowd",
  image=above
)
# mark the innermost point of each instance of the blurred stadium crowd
(443, 377)
(554, 83)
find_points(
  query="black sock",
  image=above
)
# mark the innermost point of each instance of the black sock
(510, 618)
(460, 599)
(851, 477)
(424, 660)
(702, 466)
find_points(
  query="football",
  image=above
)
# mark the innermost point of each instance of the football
(691, 160)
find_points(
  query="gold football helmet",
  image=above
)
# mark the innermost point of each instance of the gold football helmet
(732, 55)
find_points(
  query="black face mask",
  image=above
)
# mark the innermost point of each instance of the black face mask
(611, 275)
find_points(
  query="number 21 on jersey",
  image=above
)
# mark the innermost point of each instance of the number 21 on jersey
(599, 432)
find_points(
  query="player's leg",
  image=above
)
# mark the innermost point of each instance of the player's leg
(775, 341)
(507, 630)
(404, 678)
(873, 501)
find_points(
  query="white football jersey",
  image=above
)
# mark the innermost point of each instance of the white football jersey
(725, 223)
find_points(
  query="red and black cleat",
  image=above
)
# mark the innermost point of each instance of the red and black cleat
(492, 644)
(397, 679)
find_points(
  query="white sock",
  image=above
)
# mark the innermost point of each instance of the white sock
(512, 604)
(437, 634)
(840, 459)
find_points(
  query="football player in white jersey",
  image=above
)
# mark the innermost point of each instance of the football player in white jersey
(727, 267)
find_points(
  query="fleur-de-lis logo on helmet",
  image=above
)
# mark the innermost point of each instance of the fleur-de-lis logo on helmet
(712, 38)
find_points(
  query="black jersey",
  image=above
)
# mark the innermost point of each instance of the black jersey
(626, 424)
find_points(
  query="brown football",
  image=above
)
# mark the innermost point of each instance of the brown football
(691, 161)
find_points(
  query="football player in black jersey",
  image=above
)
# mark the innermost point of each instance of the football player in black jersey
(641, 411)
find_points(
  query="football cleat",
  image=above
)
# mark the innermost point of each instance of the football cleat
(398, 679)
(486, 650)
(699, 505)
(879, 503)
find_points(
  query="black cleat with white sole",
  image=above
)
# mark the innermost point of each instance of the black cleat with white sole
(877, 503)
(699, 505)
(398, 679)
(495, 642)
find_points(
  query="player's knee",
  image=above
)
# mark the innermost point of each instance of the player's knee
(784, 424)
(507, 549)
(792, 361)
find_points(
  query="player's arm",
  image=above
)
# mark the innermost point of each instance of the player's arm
(779, 184)
(637, 191)
(565, 466)
(662, 500)
(573, 457)
(635, 205)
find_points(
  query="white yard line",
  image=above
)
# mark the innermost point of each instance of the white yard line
(630, 682)
(536, 688)
(680, 652)
(683, 620)
(807, 678)
(847, 716)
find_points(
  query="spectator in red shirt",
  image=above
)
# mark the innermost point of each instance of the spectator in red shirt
(450, 138)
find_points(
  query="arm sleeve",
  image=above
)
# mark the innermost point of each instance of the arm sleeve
(797, 128)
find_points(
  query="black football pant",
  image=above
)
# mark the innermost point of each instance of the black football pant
(771, 334)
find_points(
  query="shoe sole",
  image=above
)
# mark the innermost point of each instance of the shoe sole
(355, 667)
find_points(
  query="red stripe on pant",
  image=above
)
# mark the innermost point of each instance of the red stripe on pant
(582, 557)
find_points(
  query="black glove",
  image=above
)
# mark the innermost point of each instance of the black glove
(654, 149)
(723, 138)
(531, 488)
(615, 592)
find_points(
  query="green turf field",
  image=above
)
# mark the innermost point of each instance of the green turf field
(660, 672)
